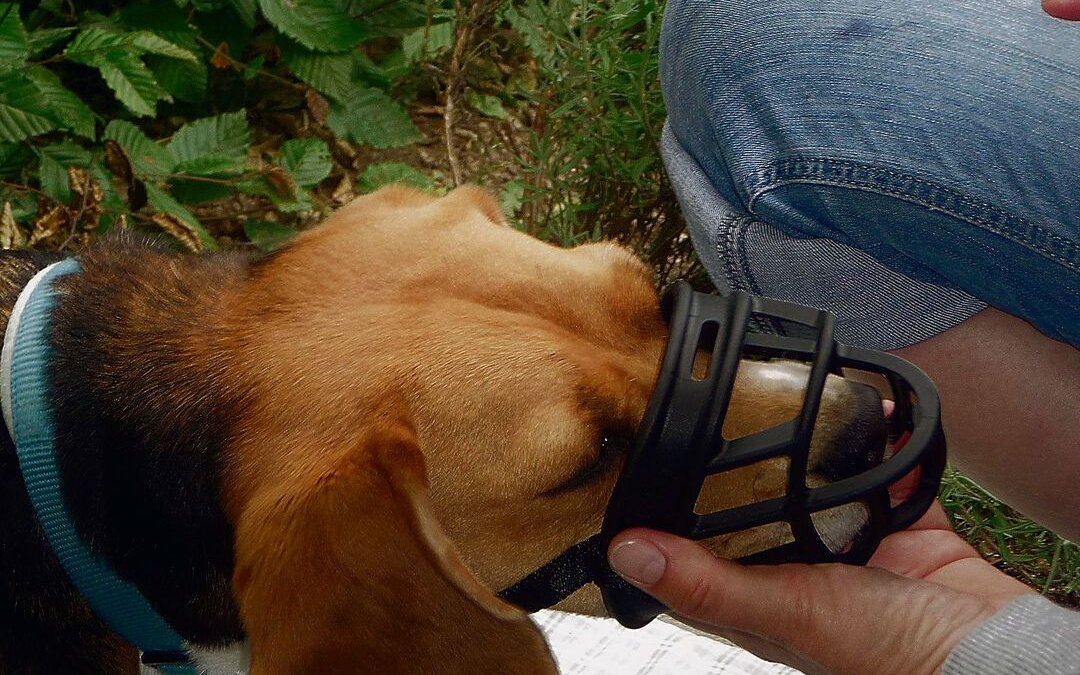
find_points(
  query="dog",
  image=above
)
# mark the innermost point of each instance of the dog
(337, 453)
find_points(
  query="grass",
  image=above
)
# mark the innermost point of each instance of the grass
(1023, 549)
(592, 163)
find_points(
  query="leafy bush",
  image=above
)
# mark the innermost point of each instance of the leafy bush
(593, 169)
(225, 120)
(139, 112)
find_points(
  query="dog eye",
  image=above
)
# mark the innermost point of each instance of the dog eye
(613, 448)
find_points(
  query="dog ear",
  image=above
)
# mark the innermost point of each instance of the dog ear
(349, 572)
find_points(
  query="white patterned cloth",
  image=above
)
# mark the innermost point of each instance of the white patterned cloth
(585, 645)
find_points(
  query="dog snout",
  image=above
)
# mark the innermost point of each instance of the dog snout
(860, 441)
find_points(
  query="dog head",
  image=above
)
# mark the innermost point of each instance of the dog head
(420, 367)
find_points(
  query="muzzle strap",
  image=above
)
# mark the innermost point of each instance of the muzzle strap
(557, 579)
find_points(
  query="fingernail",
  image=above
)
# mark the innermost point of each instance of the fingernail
(638, 561)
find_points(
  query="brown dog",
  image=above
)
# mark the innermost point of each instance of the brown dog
(282, 449)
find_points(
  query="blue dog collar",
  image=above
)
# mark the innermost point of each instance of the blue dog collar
(24, 388)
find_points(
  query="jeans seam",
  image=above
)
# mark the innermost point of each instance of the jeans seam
(731, 248)
(731, 251)
(889, 182)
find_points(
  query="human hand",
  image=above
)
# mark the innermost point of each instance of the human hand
(1062, 9)
(922, 592)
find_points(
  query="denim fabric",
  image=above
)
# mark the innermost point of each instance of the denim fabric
(898, 163)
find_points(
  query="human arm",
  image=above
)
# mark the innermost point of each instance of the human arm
(1009, 398)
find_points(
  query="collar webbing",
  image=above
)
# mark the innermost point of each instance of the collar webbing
(24, 388)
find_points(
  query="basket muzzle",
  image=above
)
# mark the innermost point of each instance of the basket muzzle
(679, 444)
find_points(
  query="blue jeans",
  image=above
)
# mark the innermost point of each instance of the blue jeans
(901, 164)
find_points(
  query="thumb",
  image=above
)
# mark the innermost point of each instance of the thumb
(705, 589)
(831, 618)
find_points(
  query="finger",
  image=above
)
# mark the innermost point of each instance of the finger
(841, 617)
(703, 588)
(1062, 9)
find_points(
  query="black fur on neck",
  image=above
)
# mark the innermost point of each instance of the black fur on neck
(142, 421)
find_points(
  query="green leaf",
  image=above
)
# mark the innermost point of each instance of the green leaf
(488, 105)
(44, 38)
(14, 157)
(254, 67)
(23, 112)
(24, 205)
(14, 43)
(185, 80)
(428, 42)
(63, 105)
(54, 7)
(120, 66)
(92, 44)
(245, 9)
(307, 160)
(67, 153)
(512, 197)
(268, 236)
(377, 175)
(198, 191)
(183, 73)
(316, 24)
(133, 83)
(155, 44)
(329, 74)
(160, 17)
(393, 67)
(373, 74)
(295, 200)
(54, 180)
(212, 146)
(225, 26)
(396, 18)
(55, 160)
(371, 117)
(530, 22)
(117, 57)
(147, 157)
(162, 201)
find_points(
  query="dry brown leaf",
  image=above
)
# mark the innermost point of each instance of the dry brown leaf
(317, 105)
(281, 181)
(130, 188)
(11, 236)
(220, 59)
(183, 232)
(88, 197)
(118, 163)
(343, 192)
(52, 222)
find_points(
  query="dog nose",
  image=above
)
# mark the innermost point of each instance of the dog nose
(860, 443)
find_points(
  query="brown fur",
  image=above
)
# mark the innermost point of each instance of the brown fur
(410, 373)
